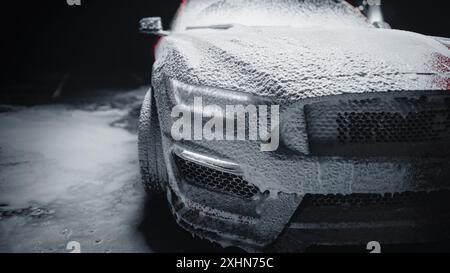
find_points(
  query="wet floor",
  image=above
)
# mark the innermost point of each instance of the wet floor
(69, 172)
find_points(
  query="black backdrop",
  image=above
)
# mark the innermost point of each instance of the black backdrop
(48, 36)
(100, 35)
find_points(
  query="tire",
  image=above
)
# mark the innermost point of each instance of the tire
(151, 158)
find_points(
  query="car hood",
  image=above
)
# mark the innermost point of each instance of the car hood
(292, 63)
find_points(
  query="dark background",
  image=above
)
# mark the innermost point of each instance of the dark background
(99, 41)
(98, 45)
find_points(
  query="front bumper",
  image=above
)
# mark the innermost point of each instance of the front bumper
(224, 215)
(285, 222)
(355, 220)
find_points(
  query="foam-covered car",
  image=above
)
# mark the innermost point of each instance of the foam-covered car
(364, 126)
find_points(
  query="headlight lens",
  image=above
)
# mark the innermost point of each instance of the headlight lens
(184, 94)
(244, 116)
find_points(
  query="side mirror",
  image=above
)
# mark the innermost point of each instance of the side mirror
(152, 25)
(375, 14)
(382, 24)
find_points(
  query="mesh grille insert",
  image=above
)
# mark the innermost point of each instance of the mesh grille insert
(379, 126)
(391, 127)
(211, 179)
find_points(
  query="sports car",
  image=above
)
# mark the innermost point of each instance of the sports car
(358, 114)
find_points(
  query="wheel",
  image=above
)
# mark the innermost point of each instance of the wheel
(151, 159)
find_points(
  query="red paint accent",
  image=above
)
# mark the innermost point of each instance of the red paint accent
(155, 45)
(182, 5)
(158, 39)
(441, 64)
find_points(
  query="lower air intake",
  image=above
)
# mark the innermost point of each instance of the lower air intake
(211, 179)
(388, 199)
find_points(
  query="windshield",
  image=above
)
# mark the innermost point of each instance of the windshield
(295, 13)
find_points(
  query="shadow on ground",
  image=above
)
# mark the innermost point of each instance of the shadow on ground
(162, 233)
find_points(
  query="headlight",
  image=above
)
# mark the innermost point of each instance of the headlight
(184, 94)
(214, 114)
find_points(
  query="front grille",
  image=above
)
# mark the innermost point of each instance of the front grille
(212, 179)
(366, 127)
(405, 217)
(388, 199)
(380, 125)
